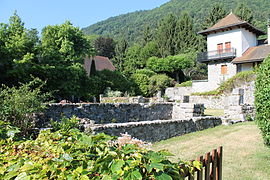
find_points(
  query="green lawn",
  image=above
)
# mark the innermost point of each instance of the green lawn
(214, 112)
(245, 156)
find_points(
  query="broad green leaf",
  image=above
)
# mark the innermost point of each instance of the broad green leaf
(117, 165)
(163, 176)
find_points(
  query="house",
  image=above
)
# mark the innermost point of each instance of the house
(97, 63)
(232, 46)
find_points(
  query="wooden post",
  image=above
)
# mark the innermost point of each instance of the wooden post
(219, 163)
(200, 173)
(207, 166)
(214, 164)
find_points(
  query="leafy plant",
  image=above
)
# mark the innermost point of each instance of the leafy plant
(74, 155)
(110, 93)
(262, 102)
(184, 84)
(65, 124)
(20, 105)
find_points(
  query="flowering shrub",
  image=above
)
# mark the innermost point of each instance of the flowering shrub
(71, 154)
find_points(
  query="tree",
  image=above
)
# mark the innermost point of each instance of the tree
(170, 64)
(18, 49)
(216, 13)
(149, 50)
(262, 103)
(244, 12)
(120, 54)
(105, 47)
(186, 38)
(63, 44)
(147, 35)
(165, 36)
(133, 60)
(63, 49)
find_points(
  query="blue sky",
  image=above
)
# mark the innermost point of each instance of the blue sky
(82, 13)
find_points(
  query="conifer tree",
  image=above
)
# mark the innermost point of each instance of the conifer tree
(244, 12)
(165, 36)
(216, 13)
(120, 54)
(186, 38)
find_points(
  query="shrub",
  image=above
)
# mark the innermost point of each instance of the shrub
(74, 155)
(110, 93)
(114, 79)
(184, 84)
(18, 106)
(65, 124)
(159, 82)
(142, 82)
(262, 101)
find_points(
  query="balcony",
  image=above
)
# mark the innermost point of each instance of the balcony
(216, 55)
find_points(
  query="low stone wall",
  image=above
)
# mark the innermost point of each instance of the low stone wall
(102, 113)
(152, 131)
(223, 101)
(187, 110)
(211, 102)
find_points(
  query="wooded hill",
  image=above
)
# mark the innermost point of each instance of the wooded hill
(132, 25)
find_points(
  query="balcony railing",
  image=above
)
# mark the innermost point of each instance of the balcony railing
(216, 55)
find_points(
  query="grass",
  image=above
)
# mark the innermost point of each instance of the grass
(245, 156)
(184, 84)
(214, 112)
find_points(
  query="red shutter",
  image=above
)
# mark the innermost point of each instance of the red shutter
(220, 48)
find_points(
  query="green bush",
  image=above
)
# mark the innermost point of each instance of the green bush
(65, 124)
(184, 84)
(159, 82)
(19, 106)
(74, 155)
(110, 93)
(142, 82)
(149, 82)
(262, 100)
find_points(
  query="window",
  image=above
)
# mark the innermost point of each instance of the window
(220, 48)
(228, 46)
(239, 67)
(224, 69)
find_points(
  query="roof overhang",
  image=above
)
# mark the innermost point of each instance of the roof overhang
(247, 61)
(244, 25)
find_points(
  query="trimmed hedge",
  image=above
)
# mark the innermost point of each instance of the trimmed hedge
(262, 100)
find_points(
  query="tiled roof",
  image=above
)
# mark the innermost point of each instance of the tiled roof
(101, 63)
(228, 23)
(253, 54)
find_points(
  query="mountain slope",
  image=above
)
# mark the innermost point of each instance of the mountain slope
(131, 25)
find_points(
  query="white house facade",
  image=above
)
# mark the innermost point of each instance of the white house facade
(232, 46)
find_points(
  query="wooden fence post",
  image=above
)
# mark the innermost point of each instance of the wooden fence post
(207, 166)
(219, 163)
(200, 173)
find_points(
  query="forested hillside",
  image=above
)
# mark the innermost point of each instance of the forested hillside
(132, 25)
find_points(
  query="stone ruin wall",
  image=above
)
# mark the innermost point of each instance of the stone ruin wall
(152, 131)
(148, 122)
(230, 101)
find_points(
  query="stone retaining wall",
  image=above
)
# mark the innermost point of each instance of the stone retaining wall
(102, 113)
(158, 130)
